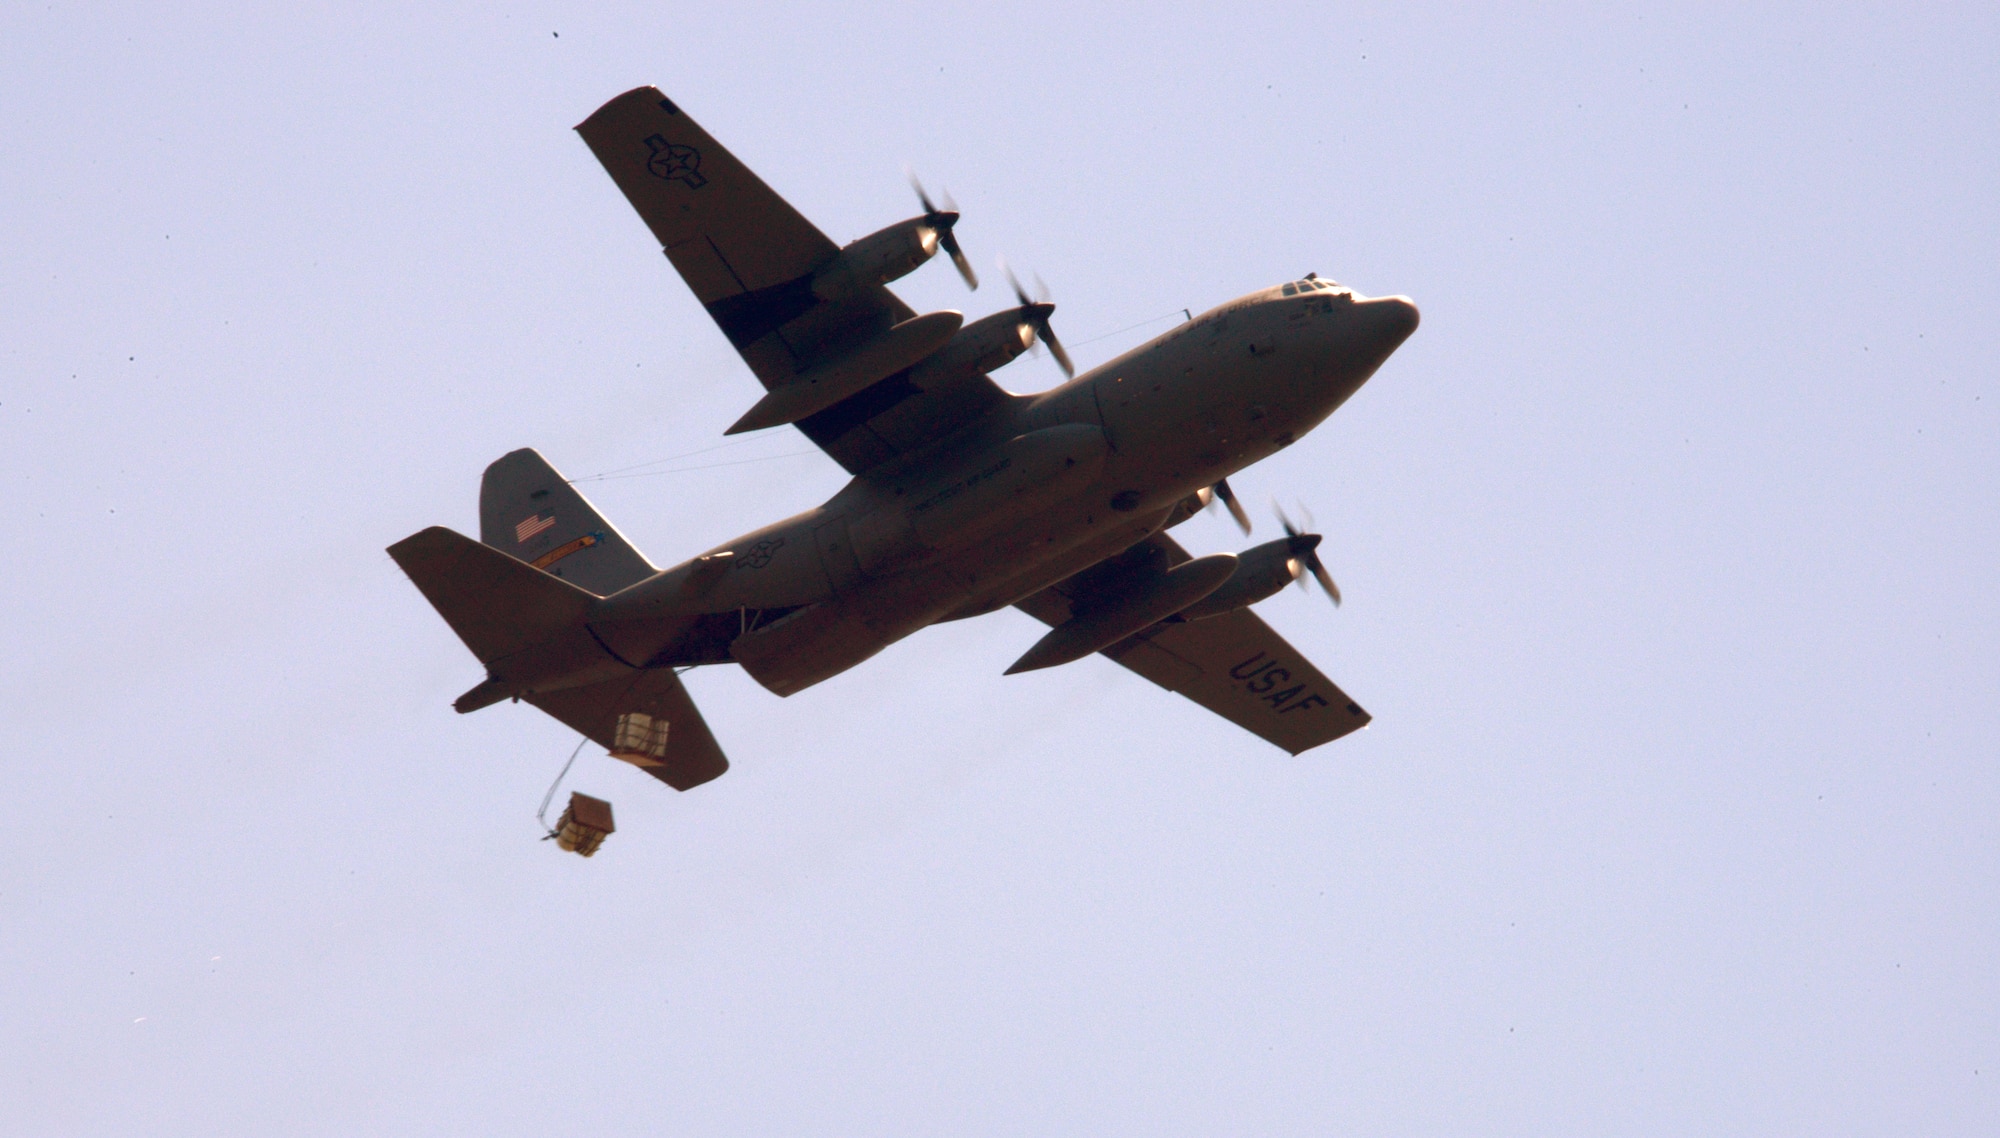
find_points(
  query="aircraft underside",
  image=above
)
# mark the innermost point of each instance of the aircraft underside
(964, 499)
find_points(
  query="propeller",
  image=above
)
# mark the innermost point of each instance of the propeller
(1036, 314)
(942, 221)
(1305, 555)
(1221, 492)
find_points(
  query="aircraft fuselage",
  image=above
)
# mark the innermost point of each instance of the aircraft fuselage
(1042, 488)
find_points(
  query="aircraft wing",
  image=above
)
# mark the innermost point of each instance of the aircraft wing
(1233, 665)
(749, 257)
(693, 756)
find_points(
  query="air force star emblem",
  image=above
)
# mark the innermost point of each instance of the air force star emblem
(760, 554)
(674, 162)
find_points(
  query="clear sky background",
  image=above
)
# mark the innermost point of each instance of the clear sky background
(1669, 543)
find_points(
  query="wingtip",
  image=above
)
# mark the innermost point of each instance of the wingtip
(646, 94)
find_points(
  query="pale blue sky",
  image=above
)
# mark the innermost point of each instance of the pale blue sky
(1669, 544)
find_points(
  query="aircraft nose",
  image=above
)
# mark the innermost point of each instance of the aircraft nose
(1394, 318)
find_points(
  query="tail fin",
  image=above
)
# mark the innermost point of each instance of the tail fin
(529, 512)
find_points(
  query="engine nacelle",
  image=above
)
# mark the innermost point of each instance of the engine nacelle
(981, 346)
(876, 259)
(1261, 571)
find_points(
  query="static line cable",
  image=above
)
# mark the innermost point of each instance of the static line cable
(603, 474)
(1186, 315)
(542, 815)
(704, 466)
(674, 457)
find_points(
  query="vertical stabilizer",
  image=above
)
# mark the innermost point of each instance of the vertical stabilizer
(528, 511)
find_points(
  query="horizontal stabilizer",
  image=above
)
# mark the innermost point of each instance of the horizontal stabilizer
(497, 604)
(693, 756)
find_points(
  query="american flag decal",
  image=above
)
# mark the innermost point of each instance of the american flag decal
(532, 526)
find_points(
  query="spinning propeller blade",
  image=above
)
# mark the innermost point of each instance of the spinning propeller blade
(1305, 555)
(1035, 314)
(942, 220)
(1222, 493)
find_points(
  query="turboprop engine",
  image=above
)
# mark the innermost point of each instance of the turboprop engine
(883, 256)
(995, 341)
(984, 345)
(1261, 571)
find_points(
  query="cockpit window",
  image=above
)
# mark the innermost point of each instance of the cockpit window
(1314, 284)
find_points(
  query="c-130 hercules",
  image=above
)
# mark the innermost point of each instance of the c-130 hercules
(965, 498)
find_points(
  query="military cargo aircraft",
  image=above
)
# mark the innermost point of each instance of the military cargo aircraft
(965, 498)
